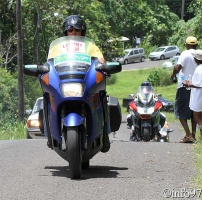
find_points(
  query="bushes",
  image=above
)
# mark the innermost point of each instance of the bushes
(111, 80)
(13, 131)
(160, 77)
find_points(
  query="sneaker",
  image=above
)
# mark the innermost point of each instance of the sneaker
(187, 139)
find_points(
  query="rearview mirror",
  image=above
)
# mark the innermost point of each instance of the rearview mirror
(31, 70)
(109, 67)
(35, 70)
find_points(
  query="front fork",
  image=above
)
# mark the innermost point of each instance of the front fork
(74, 120)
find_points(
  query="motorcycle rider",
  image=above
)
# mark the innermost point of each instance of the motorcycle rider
(74, 25)
(146, 88)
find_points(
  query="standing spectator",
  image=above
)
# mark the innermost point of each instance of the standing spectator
(195, 103)
(185, 65)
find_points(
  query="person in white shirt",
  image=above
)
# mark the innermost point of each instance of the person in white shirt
(186, 66)
(195, 103)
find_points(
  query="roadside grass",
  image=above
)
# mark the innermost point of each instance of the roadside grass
(13, 131)
(197, 148)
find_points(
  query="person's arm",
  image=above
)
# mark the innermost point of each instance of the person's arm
(95, 52)
(176, 70)
(189, 84)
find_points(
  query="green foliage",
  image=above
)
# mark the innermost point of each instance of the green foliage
(154, 77)
(160, 77)
(112, 79)
(8, 96)
(198, 152)
(182, 30)
(13, 131)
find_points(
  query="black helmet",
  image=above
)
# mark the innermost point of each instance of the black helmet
(146, 83)
(76, 21)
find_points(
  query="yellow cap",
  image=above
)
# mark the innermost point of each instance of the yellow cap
(191, 40)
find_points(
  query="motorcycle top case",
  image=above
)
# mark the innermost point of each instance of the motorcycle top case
(115, 113)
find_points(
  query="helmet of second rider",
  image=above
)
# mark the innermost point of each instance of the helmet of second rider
(146, 86)
(76, 22)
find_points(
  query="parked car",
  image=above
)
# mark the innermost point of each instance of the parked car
(164, 52)
(171, 62)
(167, 105)
(32, 124)
(132, 55)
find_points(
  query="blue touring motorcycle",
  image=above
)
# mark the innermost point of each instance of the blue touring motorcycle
(76, 110)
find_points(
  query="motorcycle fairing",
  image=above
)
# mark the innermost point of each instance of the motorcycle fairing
(158, 105)
(73, 65)
(72, 119)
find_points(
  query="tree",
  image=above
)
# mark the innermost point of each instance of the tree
(20, 61)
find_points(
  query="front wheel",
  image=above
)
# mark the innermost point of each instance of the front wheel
(142, 59)
(162, 57)
(74, 152)
(85, 165)
(146, 135)
(126, 62)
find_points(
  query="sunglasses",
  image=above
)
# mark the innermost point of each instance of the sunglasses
(71, 30)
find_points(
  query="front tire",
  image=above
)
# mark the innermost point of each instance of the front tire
(126, 62)
(146, 135)
(28, 136)
(85, 165)
(74, 152)
(162, 57)
(142, 59)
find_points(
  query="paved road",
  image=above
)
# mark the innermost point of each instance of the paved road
(142, 65)
(130, 170)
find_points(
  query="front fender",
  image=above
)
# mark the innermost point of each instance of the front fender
(72, 119)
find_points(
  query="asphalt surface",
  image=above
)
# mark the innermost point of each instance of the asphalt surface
(130, 170)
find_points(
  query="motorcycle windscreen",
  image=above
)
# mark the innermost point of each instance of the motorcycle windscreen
(145, 94)
(71, 53)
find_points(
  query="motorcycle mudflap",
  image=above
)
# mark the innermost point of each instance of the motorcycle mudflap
(115, 113)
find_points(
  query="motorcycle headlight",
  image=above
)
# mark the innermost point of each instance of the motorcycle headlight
(72, 89)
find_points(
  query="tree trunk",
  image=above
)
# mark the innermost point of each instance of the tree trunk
(20, 61)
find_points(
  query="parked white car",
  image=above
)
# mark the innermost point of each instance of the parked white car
(32, 125)
(171, 62)
(164, 52)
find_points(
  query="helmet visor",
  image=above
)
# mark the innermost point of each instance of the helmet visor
(76, 26)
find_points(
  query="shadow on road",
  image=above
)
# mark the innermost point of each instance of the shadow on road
(92, 172)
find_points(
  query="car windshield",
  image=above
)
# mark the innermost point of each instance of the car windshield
(159, 49)
(126, 52)
(38, 105)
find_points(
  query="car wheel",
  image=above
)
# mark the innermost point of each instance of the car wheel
(126, 62)
(28, 136)
(142, 59)
(162, 57)
(177, 54)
